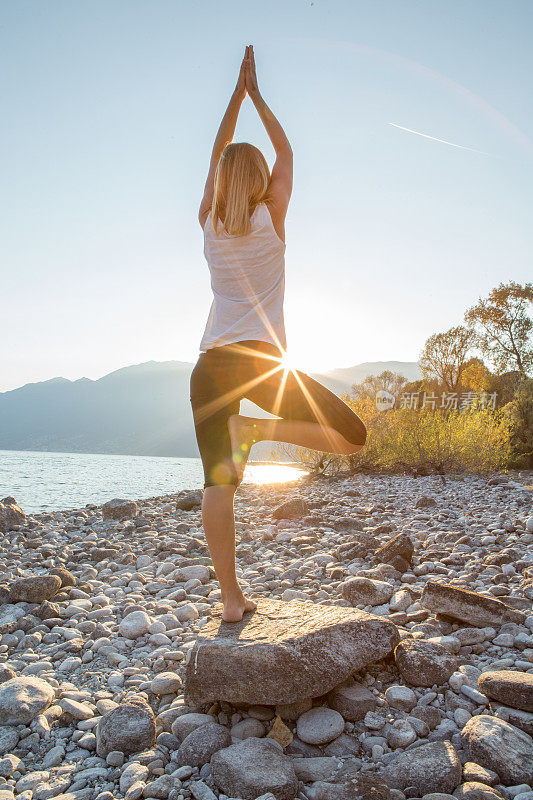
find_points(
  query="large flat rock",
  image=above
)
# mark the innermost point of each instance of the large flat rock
(472, 607)
(283, 652)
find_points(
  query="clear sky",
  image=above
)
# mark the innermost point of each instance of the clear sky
(109, 110)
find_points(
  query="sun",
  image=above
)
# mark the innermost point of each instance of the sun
(287, 362)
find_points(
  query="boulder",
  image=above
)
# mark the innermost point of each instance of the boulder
(352, 702)
(11, 515)
(23, 698)
(283, 652)
(199, 745)
(365, 591)
(466, 606)
(510, 687)
(130, 728)
(291, 509)
(423, 663)
(433, 767)
(35, 589)
(254, 767)
(188, 499)
(119, 509)
(399, 546)
(497, 745)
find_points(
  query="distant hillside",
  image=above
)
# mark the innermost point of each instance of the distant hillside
(138, 410)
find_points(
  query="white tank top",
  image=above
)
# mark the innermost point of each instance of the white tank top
(248, 282)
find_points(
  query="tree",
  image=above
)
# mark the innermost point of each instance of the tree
(519, 416)
(444, 356)
(502, 326)
(392, 382)
(476, 376)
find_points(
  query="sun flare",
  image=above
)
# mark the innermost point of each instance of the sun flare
(272, 473)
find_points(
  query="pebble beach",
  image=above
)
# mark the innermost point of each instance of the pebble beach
(391, 655)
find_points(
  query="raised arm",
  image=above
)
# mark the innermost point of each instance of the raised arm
(224, 136)
(281, 183)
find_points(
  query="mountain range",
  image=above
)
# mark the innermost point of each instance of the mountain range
(137, 410)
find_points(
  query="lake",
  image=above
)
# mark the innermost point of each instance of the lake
(53, 481)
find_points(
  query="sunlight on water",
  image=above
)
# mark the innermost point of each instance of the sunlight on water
(42, 481)
(271, 473)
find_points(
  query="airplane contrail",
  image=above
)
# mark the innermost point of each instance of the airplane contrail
(435, 139)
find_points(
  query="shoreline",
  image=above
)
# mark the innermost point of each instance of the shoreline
(95, 612)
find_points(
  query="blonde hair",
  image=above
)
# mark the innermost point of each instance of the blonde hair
(242, 180)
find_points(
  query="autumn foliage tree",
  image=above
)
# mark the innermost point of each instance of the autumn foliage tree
(444, 356)
(502, 327)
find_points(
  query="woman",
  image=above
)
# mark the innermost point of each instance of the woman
(243, 347)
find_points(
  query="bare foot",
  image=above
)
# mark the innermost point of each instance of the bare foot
(243, 435)
(235, 607)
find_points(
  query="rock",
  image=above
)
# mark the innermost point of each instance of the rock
(399, 546)
(478, 774)
(198, 747)
(119, 509)
(251, 727)
(352, 702)
(134, 625)
(34, 589)
(472, 790)
(497, 745)
(433, 767)
(187, 723)
(529, 525)
(132, 773)
(515, 716)
(365, 591)
(466, 606)
(425, 502)
(130, 728)
(319, 725)
(401, 734)
(9, 737)
(188, 499)
(359, 787)
(165, 682)
(510, 687)
(23, 698)
(6, 673)
(291, 509)
(424, 664)
(161, 787)
(283, 652)
(291, 711)
(11, 515)
(253, 767)
(343, 746)
(318, 768)
(65, 576)
(194, 571)
(401, 697)
(201, 791)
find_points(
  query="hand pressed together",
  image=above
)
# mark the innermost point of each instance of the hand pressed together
(247, 80)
